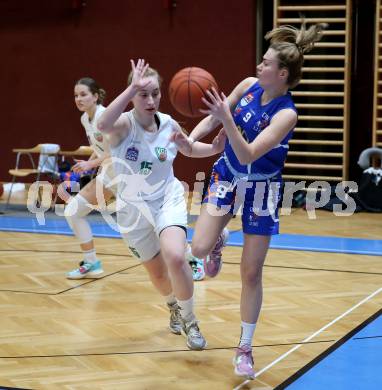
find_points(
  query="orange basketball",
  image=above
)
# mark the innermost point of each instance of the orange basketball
(187, 88)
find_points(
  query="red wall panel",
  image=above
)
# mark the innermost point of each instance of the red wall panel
(48, 45)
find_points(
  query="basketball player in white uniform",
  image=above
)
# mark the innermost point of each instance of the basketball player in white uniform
(88, 98)
(151, 209)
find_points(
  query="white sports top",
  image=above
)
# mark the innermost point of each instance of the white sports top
(143, 161)
(97, 140)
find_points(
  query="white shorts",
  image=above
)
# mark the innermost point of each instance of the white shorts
(106, 175)
(140, 223)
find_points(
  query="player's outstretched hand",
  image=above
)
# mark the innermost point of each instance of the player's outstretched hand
(139, 81)
(217, 105)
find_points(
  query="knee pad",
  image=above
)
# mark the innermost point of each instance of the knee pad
(75, 212)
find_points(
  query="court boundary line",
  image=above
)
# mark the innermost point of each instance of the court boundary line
(62, 251)
(367, 337)
(87, 281)
(303, 342)
(123, 271)
(323, 269)
(274, 246)
(152, 352)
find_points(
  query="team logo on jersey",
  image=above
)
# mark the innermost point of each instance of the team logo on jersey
(132, 154)
(98, 136)
(161, 153)
(146, 167)
(246, 99)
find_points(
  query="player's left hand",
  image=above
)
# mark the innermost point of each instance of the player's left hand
(82, 166)
(182, 142)
(218, 142)
(217, 105)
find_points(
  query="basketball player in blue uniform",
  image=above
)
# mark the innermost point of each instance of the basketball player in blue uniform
(258, 117)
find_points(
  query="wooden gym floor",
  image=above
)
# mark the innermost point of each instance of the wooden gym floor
(111, 333)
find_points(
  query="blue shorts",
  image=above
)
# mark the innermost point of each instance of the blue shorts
(259, 199)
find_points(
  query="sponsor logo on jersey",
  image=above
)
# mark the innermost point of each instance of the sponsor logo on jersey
(243, 133)
(134, 252)
(146, 167)
(253, 218)
(99, 147)
(98, 137)
(262, 123)
(132, 154)
(246, 99)
(237, 111)
(161, 153)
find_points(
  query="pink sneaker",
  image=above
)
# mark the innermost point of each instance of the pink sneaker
(213, 262)
(243, 362)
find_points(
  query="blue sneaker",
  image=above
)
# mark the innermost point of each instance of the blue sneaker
(86, 270)
(197, 266)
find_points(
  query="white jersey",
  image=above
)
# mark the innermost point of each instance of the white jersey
(143, 161)
(97, 140)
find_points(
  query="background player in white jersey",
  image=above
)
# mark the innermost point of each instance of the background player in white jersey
(88, 97)
(259, 117)
(152, 211)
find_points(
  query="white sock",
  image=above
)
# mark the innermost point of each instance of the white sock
(247, 332)
(90, 256)
(187, 309)
(170, 299)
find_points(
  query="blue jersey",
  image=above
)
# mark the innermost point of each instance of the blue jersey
(252, 118)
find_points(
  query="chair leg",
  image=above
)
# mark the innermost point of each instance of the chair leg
(55, 183)
(39, 195)
(9, 194)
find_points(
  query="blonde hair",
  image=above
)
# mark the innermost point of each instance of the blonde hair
(291, 43)
(150, 72)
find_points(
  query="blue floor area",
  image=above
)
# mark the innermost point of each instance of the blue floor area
(351, 364)
(281, 241)
(52, 226)
(355, 364)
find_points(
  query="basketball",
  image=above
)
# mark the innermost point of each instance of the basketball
(187, 88)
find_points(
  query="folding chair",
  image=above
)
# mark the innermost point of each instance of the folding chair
(47, 164)
(85, 151)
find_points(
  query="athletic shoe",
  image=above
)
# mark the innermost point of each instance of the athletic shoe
(197, 266)
(175, 318)
(86, 270)
(195, 339)
(213, 263)
(243, 362)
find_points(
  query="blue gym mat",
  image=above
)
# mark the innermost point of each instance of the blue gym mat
(281, 241)
(355, 363)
